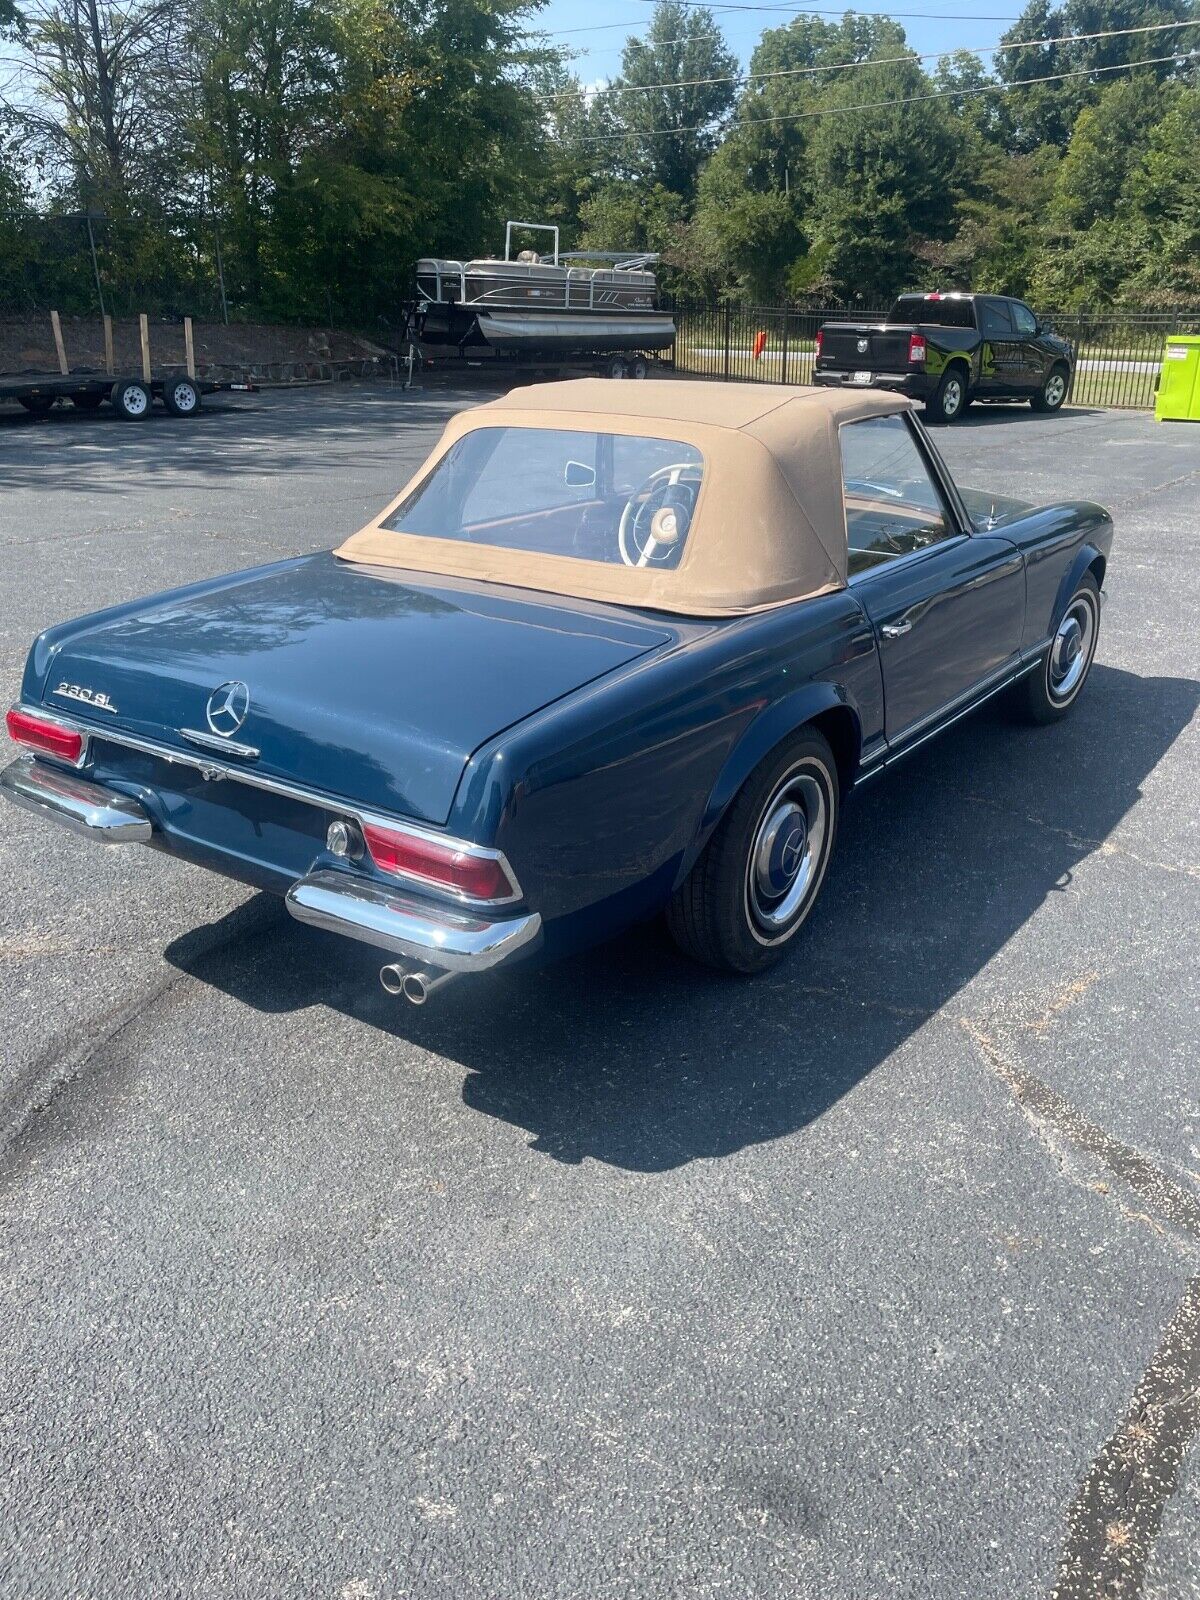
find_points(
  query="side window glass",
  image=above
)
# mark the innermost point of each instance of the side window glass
(1024, 320)
(994, 320)
(892, 505)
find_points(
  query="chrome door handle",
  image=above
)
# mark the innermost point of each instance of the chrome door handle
(895, 630)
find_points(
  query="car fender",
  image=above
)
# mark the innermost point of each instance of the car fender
(1084, 557)
(770, 728)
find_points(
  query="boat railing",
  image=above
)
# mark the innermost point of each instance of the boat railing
(456, 271)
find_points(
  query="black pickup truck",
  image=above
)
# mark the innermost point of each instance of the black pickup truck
(950, 349)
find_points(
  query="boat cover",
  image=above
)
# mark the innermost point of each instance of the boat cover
(769, 525)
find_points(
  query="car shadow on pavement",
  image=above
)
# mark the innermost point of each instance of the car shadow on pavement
(632, 1056)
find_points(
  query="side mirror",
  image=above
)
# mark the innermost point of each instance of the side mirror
(578, 475)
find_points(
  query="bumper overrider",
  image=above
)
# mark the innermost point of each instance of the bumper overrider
(434, 942)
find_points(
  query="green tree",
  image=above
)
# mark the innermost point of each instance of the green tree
(661, 116)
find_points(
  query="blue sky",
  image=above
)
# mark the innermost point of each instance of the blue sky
(965, 25)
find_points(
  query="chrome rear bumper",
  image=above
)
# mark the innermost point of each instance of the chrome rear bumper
(443, 937)
(87, 808)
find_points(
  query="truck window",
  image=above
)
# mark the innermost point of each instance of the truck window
(995, 319)
(1024, 320)
(942, 311)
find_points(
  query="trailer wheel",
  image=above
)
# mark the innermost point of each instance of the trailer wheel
(131, 399)
(181, 397)
(640, 368)
(91, 400)
(38, 404)
(616, 368)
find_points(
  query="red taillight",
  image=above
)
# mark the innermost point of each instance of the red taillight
(49, 737)
(916, 348)
(413, 855)
(820, 337)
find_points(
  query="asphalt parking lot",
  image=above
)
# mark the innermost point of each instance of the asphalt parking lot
(874, 1276)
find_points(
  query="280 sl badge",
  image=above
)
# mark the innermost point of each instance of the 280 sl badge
(90, 697)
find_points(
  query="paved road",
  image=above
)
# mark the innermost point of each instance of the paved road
(870, 1277)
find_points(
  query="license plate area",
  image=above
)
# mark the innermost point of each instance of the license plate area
(861, 377)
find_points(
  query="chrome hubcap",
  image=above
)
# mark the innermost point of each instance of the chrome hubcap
(1072, 648)
(788, 855)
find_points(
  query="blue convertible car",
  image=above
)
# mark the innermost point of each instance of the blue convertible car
(615, 649)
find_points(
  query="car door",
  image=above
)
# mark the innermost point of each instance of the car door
(1000, 356)
(1034, 360)
(947, 602)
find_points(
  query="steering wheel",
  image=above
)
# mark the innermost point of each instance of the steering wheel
(656, 516)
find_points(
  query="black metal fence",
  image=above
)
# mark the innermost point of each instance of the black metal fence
(1118, 353)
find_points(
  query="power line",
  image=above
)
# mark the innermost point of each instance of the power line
(814, 11)
(907, 100)
(879, 61)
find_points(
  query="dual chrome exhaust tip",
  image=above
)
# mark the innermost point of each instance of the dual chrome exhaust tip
(413, 984)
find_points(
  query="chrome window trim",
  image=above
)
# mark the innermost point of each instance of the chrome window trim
(213, 770)
(67, 724)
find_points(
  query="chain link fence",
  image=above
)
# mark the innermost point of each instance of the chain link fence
(1118, 353)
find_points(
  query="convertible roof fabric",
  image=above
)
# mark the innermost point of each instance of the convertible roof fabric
(769, 525)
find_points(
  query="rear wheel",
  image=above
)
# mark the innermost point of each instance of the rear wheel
(950, 399)
(131, 399)
(616, 368)
(1050, 692)
(181, 397)
(640, 368)
(759, 876)
(1053, 393)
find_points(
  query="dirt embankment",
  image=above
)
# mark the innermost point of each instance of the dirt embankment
(242, 350)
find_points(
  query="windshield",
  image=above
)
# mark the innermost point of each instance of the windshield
(943, 312)
(616, 498)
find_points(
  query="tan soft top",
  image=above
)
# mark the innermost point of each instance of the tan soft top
(769, 524)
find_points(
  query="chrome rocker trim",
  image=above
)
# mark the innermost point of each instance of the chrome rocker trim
(392, 919)
(86, 808)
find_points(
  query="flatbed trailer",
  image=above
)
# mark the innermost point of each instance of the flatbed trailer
(130, 397)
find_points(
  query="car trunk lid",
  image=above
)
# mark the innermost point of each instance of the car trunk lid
(360, 684)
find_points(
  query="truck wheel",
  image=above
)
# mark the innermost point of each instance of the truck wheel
(1050, 692)
(38, 404)
(949, 400)
(640, 368)
(615, 368)
(181, 397)
(131, 399)
(1053, 393)
(759, 875)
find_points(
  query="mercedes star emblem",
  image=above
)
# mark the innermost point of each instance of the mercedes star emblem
(228, 707)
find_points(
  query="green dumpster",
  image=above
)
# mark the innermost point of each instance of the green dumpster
(1178, 397)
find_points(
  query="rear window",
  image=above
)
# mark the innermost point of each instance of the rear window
(946, 311)
(615, 498)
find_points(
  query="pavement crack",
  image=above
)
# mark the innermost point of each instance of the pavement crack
(1103, 847)
(1162, 1195)
(1116, 1514)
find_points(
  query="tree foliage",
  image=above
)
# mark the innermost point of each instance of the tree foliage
(292, 158)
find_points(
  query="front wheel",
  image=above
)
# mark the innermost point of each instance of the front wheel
(1049, 693)
(1053, 393)
(950, 399)
(758, 877)
(181, 397)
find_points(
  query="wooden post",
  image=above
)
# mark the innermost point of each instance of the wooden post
(108, 345)
(58, 343)
(189, 348)
(144, 327)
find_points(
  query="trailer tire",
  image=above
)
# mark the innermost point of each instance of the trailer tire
(131, 399)
(181, 397)
(640, 368)
(616, 368)
(37, 404)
